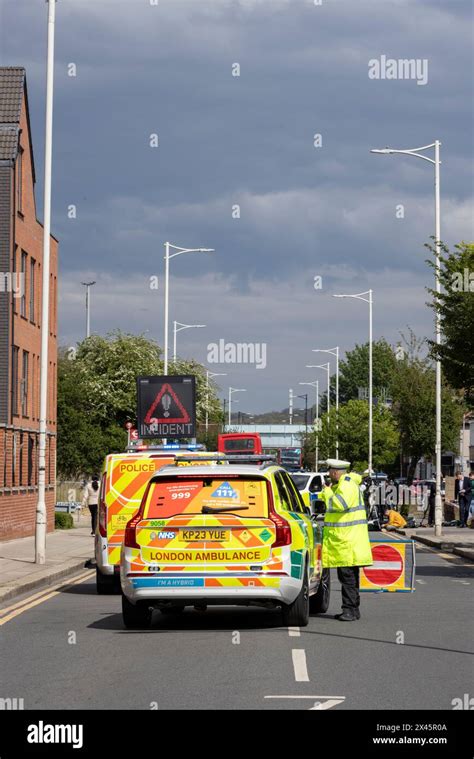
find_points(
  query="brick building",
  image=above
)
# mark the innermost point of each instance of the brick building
(21, 243)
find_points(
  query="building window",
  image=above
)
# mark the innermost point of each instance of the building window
(14, 452)
(15, 269)
(31, 449)
(32, 289)
(21, 460)
(25, 383)
(24, 256)
(19, 181)
(15, 355)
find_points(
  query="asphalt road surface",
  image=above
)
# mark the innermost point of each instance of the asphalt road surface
(68, 649)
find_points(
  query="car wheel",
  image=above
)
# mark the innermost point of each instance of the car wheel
(296, 614)
(319, 603)
(135, 616)
(103, 583)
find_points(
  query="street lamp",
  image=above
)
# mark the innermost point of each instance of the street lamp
(334, 352)
(418, 153)
(233, 390)
(177, 327)
(168, 256)
(88, 286)
(315, 384)
(41, 515)
(369, 300)
(305, 396)
(211, 374)
(327, 367)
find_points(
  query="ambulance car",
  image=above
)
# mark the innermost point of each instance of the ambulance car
(236, 534)
(123, 482)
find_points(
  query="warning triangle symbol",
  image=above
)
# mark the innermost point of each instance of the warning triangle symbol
(168, 403)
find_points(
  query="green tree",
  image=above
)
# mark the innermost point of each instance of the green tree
(455, 306)
(414, 408)
(97, 396)
(354, 436)
(354, 370)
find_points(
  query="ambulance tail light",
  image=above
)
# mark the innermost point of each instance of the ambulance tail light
(102, 519)
(102, 510)
(130, 540)
(283, 529)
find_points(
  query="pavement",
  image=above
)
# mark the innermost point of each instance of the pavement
(67, 552)
(68, 649)
(458, 540)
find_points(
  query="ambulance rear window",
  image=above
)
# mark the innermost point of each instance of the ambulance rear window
(243, 497)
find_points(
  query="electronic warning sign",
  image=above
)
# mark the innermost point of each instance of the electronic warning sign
(166, 406)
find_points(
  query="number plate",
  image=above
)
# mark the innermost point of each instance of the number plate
(209, 535)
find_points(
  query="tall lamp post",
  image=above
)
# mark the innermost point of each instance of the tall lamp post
(327, 367)
(305, 396)
(41, 516)
(368, 298)
(418, 153)
(211, 374)
(233, 390)
(88, 286)
(177, 327)
(168, 257)
(334, 352)
(315, 384)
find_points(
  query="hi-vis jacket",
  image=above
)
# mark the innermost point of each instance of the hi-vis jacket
(346, 536)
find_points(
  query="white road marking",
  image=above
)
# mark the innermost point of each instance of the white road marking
(422, 582)
(339, 698)
(294, 632)
(463, 582)
(299, 665)
(326, 704)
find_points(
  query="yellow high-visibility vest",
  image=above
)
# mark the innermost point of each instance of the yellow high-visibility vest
(345, 536)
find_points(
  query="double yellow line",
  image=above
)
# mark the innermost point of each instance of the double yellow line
(10, 612)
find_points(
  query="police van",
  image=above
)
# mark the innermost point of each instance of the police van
(124, 479)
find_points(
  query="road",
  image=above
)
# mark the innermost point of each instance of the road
(235, 658)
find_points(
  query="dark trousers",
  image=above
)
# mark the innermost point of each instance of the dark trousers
(349, 579)
(464, 504)
(93, 511)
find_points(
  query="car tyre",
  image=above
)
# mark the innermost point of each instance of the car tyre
(105, 584)
(319, 603)
(138, 616)
(296, 614)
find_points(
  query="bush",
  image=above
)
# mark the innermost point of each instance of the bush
(62, 520)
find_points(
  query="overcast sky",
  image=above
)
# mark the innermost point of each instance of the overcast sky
(248, 140)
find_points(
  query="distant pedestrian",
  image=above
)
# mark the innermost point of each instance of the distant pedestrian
(431, 504)
(471, 508)
(91, 499)
(463, 491)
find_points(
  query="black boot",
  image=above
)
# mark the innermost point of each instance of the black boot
(347, 615)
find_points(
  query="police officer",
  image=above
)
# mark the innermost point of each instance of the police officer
(346, 538)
